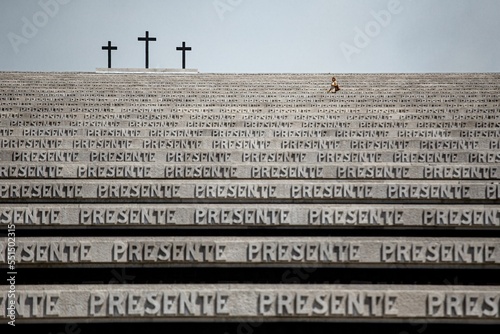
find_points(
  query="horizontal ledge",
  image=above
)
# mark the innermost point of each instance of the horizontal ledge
(232, 170)
(213, 216)
(257, 190)
(392, 252)
(219, 302)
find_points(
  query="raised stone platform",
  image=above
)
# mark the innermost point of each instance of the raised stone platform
(379, 203)
(148, 70)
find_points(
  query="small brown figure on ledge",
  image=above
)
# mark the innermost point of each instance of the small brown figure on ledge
(335, 86)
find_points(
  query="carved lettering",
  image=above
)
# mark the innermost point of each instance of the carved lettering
(302, 252)
(168, 252)
(471, 305)
(127, 216)
(359, 304)
(154, 303)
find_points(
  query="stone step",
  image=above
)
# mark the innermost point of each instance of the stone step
(383, 252)
(292, 191)
(312, 216)
(158, 141)
(251, 302)
(224, 170)
(228, 175)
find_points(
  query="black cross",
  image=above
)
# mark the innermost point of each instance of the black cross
(184, 49)
(147, 39)
(109, 48)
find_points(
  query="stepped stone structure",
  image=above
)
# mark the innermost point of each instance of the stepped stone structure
(392, 183)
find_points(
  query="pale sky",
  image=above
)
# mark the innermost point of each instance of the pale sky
(253, 36)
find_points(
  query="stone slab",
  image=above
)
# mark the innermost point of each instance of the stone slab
(311, 151)
(249, 150)
(101, 113)
(310, 216)
(388, 144)
(228, 170)
(383, 252)
(237, 123)
(247, 302)
(246, 191)
(338, 133)
(18, 115)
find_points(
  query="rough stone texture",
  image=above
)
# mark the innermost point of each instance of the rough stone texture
(317, 251)
(270, 191)
(314, 216)
(226, 302)
(156, 151)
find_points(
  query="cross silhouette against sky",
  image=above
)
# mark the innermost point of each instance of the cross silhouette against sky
(147, 39)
